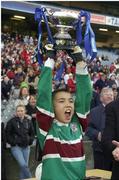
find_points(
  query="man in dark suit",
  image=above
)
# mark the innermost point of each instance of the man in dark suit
(111, 133)
(95, 130)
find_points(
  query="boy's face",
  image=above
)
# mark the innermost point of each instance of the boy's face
(63, 106)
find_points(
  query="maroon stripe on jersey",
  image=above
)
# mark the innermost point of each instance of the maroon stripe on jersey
(84, 123)
(64, 150)
(44, 121)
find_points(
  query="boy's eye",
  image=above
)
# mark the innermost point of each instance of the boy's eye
(61, 101)
(71, 101)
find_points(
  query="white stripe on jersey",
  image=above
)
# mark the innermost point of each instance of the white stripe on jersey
(64, 141)
(44, 133)
(46, 112)
(48, 156)
(73, 159)
(82, 115)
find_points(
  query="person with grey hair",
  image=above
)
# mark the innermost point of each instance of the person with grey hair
(96, 127)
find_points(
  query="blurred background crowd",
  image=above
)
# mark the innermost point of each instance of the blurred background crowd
(20, 72)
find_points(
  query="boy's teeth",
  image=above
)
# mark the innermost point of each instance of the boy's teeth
(67, 111)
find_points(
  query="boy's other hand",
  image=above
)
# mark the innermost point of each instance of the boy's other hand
(50, 52)
(49, 47)
(77, 54)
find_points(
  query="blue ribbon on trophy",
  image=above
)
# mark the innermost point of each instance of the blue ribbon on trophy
(39, 16)
(59, 72)
(89, 36)
(79, 31)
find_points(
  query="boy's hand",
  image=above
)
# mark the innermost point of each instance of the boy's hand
(81, 66)
(49, 46)
(51, 53)
(77, 54)
(77, 49)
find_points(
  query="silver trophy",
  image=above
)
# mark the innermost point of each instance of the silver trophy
(63, 39)
(63, 24)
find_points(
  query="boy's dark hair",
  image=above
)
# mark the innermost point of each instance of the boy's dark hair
(60, 90)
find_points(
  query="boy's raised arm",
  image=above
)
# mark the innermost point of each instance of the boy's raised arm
(83, 89)
(44, 98)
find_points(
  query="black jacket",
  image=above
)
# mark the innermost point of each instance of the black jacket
(96, 125)
(30, 110)
(19, 132)
(6, 88)
(111, 132)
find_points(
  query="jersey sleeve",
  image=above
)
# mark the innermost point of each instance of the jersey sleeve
(44, 104)
(83, 98)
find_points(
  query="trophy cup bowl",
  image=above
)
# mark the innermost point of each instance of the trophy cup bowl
(63, 24)
(63, 39)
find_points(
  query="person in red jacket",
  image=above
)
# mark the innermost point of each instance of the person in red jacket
(112, 68)
(71, 83)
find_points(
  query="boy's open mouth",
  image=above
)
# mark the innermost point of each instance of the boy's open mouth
(68, 114)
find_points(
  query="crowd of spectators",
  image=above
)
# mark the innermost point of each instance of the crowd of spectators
(20, 72)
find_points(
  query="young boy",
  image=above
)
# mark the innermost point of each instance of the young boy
(59, 125)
